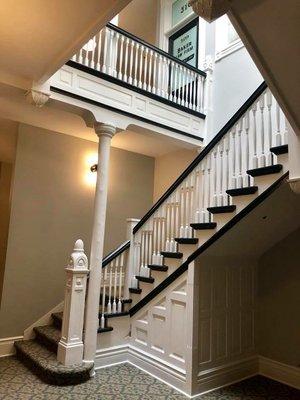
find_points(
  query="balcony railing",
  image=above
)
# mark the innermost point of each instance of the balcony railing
(126, 58)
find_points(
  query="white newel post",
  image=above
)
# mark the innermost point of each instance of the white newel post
(105, 132)
(294, 158)
(130, 280)
(70, 347)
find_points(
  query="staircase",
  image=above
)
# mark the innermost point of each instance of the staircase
(237, 170)
(39, 355)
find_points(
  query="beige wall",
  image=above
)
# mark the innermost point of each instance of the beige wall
(278, 326)
(51, 207)
(140, 19)
(5, 180)
(168, 167)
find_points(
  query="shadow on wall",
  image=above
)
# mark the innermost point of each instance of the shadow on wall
(279, 301)
(5, 185)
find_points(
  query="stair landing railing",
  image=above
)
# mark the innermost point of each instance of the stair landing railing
(137, 64)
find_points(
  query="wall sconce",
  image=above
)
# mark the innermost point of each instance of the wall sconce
(94, 168)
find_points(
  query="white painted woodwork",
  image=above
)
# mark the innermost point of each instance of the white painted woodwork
(70, 347)
(134, 66)
(105, 132)
(121, 98)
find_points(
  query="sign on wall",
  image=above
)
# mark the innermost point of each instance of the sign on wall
(180, 10)
(184, 44)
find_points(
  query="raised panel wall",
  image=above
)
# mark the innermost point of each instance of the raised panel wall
(226, 313)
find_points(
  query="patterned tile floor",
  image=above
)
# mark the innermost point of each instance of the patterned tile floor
(125, 382)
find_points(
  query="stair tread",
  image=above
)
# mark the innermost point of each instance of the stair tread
(123, 301)
(221, 209)
(157, 267)
(106, 329)
(145, 279)
(171, 254)
(50, 332)
(242, 191)
(114, 315)
(282, 149)
(203, 225)
(271, 169)
(135, 290)
(57, 316)
(186, 240)
(44, 361)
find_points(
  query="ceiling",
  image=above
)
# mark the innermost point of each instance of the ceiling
(270, 222)
(270, 31)
(13, 107)
(38, 36)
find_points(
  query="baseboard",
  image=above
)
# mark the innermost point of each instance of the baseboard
(227, 374)
(163, 371)
(7, 346)
(280, 372)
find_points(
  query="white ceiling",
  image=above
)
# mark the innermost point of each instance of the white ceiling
(38, 36)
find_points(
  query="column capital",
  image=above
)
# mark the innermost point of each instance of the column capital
(37, 97)
(105, 129)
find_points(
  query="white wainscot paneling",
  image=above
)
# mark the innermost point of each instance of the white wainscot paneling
(226, 314)
(121, 98)
(161, 330)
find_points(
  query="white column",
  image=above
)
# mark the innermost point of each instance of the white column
(105, 132)
(131, 266)
(294, 158)
(70, 347)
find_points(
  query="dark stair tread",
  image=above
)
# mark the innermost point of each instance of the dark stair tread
(145, 279)
(57, 319)
(117, 314)
(155, 267)
(221, 209)
(242, 191)
(186, 240)
(171, 254)
(203, 225)
(48, 335)
(283, 149)
(135, 290)
(123, 301)
(44, 363)
(106, 329)
(271, 169)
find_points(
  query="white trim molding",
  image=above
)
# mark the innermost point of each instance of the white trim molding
(166, 372)
(7, 346)
(227, 374)
(280, 372)
(231, 48)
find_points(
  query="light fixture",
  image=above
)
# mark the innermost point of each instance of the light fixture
(94, 168)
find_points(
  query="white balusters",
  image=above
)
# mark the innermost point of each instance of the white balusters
(114, 53)
(112, 287)
(121, 71)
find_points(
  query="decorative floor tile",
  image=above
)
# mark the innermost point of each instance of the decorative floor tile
(125, 382)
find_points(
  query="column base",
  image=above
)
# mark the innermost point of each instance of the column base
(70, 354)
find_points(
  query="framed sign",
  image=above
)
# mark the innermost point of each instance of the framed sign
(184, 43)
(180, 10)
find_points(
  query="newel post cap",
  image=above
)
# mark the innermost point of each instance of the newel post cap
(78, 259)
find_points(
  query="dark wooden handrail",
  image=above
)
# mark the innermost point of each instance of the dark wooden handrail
(115, 253)
(241, 111)
(156, 49)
